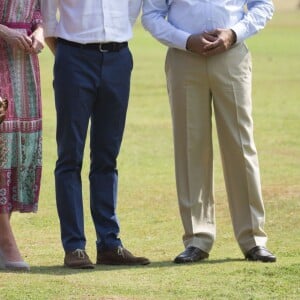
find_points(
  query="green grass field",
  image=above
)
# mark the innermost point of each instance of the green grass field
(148, 212)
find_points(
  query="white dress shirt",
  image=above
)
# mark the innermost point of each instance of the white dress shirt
(90, 21)
(173, 21)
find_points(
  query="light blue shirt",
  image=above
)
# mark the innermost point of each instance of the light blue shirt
(173, 21)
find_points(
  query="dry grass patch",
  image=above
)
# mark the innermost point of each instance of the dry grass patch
(282, 191)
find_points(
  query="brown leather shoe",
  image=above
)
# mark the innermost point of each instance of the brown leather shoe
(78, 259)
(119, 256)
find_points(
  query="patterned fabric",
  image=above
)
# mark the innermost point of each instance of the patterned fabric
(21, 132)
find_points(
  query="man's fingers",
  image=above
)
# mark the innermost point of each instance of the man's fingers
(213, 45)
(210, 37)
(213, 51)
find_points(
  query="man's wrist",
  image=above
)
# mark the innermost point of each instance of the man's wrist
(188, 43)
(234, 37)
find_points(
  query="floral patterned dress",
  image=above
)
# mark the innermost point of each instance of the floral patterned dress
(21, 132)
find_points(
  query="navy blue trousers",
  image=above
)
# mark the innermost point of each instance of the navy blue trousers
(90, 86)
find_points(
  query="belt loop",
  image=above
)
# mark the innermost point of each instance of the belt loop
(101, 49)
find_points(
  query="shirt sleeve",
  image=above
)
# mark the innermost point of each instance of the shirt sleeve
(49, 10)
(257, 14)
(154, 19)
(134, 10)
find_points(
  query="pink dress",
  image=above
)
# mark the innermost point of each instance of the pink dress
(21, 132)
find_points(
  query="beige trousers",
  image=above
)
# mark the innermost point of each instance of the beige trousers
(195, 85)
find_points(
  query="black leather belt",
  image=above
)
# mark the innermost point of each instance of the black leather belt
(102, 47)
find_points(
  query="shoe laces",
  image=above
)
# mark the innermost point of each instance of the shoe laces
(121, 251)
(79, 253)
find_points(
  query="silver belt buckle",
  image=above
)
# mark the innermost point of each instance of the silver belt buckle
(101, 49)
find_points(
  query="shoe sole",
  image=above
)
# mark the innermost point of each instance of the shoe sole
(264, 260)
(178, 261)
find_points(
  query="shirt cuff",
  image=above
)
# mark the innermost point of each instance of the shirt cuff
(240, 31)
(179, 39)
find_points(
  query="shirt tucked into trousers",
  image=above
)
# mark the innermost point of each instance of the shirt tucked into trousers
(197, 86)
(91, 84)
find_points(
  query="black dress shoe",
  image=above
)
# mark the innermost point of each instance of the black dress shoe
(190, 254)
(260, 253)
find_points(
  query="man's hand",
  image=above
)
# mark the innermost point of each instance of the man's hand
(199, 42)
(212, 42)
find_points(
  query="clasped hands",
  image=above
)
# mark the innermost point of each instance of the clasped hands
(32, 44)
(212, 42)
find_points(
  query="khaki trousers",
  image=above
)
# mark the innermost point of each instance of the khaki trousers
(195, 85)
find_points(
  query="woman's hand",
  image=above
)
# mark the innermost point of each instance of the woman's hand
(37, 39)
(16, 38)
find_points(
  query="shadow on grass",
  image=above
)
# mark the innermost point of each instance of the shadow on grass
(58, 270)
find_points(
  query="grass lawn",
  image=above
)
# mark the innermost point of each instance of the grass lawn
(148, 212)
